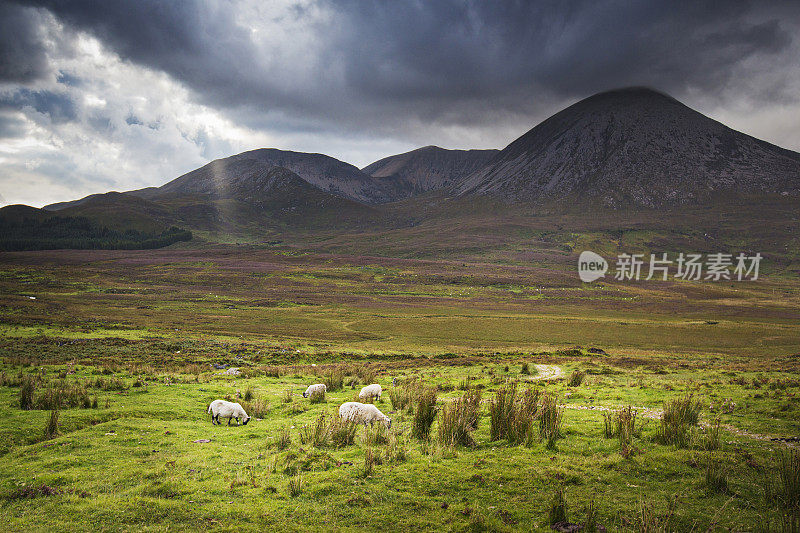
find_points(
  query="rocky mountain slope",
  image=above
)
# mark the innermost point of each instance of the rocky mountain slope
(427, 169)
(633, 148)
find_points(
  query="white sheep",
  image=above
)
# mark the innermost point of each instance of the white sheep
(370, 391)
(221, 408)
(363, 413)
(319, 388)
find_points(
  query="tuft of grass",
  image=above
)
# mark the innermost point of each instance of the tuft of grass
(287, 396)
(459, 419)
(295, 486)
(342, 432)
(248, 394)
(590, 524)
(708, 437)
(258, 408)
(525, 369)
(787, 480)
(402, 397)
(622, 425)
(334, 379)
(558, 507)
(513, 415)
(501, 412)
(425, 411)
(375, 435)
(51, 429)
(551, 417)
(285, 439)
(649, 520)
(317, 433)
(397, 451)
(26, 389)
(369, 463)
(576, 378)
(716, 475)
(679, 416)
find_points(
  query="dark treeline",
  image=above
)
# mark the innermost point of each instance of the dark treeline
(80, 233)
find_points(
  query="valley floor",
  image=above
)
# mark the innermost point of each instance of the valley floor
(125, 344)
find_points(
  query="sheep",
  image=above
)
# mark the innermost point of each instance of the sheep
(370, 391)
(318, 388)
(221, 408)
(363, 413)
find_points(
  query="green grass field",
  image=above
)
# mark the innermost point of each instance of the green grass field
(134, 335)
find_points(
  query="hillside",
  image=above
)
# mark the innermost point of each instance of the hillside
(226, 178)
(427, 169)
(633, 147)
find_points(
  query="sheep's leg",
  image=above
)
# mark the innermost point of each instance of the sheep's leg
(229, 420)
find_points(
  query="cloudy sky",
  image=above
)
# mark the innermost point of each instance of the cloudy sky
(115, 95)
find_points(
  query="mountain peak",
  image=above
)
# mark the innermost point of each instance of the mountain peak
(633, 146)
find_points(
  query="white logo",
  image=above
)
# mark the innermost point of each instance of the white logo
(591, 266)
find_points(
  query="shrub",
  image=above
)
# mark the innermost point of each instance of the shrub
(317, 397)
(459, 419)
(679, 416)
(26, 389)
(51, 429)
(424, 413)
(576, 378)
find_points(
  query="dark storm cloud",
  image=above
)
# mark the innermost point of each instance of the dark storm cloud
(393, 61)
(22, 55)
(58, 107)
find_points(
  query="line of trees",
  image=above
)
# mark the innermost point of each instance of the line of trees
(80, 233)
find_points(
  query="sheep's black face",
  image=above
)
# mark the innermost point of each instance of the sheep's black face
(305, 395)
(246, 420)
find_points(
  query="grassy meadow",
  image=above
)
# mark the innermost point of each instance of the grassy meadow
(109, 359)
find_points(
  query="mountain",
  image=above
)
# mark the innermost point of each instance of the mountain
(426, 169)
(633, 147)
(230, 176)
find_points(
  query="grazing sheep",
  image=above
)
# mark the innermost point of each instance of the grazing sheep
(370, 391)
(221, 408)
(317, 387)
(363, 413)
